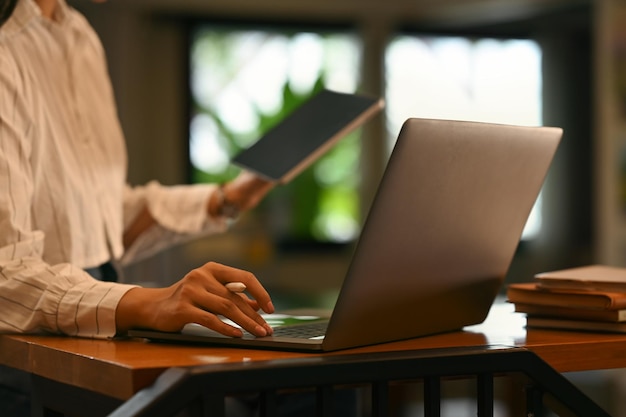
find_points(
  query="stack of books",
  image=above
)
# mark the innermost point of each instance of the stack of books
(591, 298)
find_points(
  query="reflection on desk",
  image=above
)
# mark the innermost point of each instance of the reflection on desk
(502, 326)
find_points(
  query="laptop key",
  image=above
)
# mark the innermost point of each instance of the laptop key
(302, 331)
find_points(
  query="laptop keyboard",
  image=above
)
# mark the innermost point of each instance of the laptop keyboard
(315, 330)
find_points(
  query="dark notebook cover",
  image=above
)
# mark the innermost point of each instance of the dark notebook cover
(306, 134)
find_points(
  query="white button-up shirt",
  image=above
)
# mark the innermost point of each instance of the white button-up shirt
(64, 201)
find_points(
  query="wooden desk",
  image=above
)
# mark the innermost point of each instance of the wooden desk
(119, 368)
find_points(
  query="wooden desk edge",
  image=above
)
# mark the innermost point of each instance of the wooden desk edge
(111, 379)
(14, 354)
(119, 369)
(583, 357)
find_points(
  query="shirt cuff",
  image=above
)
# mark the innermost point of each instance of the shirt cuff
(88, 308)
(181, 208)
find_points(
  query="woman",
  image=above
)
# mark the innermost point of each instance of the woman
(68, 208)
(66, 212)
(68, 215)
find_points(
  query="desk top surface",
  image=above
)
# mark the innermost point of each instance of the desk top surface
(119, 368)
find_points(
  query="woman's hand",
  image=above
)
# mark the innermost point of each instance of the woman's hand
(200, 297)
(244, 192)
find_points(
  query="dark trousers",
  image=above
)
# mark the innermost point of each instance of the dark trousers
(14, 392)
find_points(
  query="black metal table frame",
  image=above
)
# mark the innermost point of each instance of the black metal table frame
(202, 390)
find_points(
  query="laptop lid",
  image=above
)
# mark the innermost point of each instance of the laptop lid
(442, 231)
(439, 238)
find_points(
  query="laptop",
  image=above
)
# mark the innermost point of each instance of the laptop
(437, 243)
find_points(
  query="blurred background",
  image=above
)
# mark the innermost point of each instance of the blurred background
(197, 81)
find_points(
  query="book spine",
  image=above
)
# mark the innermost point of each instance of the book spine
(572, 313)
(567, 299)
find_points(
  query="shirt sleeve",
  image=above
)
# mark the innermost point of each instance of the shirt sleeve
(36, 296)
(180, 213)
(39, 298)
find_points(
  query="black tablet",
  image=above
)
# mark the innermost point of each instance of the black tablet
(306, 134)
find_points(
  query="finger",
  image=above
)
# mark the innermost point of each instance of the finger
(256, 291)
(251, 302)
(211, 321)
(214, 277)
(238, 288)
(254, 305)
(235, 308)
(249, 189)
(226, 274)
(250, 308)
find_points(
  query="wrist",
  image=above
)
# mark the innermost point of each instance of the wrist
(223, 206)
(130, 312)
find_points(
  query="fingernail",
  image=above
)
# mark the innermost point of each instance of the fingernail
(269, 329)
(270, 307)
(260, 331)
